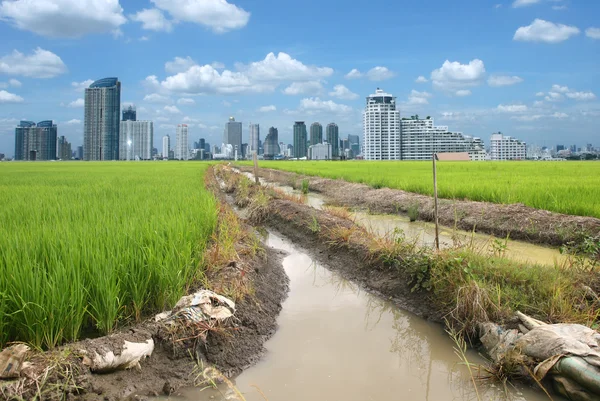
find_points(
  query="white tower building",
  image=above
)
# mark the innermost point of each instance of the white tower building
(136, 140)
(381, 125)
(182, 151)
(507, 148)
(166, 146)
(254, 139)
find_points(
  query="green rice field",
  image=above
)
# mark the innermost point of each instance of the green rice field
(84, 246)
(564, 187)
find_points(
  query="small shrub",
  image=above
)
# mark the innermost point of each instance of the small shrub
(304, 186)
(413, 212)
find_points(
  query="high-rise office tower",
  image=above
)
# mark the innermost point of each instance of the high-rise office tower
(182, 151)
(233, 135)
(300, 137)
(254, 141)
(136, 139)
(354, 141)
(101, 124)
(271, 144)
(316, 134)
(35, 141)
(129, 113)
(63, 149)
(79, 154)
(166, 146)
(381, 127)
(333, 137)
(202, 144)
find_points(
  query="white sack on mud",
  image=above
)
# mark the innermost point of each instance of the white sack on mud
(200, 306)
(126, 357)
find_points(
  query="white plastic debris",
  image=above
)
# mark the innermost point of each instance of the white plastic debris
(200, 306)
(127, 357)
(11, 361)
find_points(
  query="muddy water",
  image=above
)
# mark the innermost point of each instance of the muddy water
(423, 233)
(336, 342)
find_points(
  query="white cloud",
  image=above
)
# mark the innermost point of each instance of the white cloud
(581, 95)
(317, 105)
(7, 97)
(523, 3)
(283, 67)
(417, 97)
(512, 108)
(172, 110)
(156, 98)
(540, 94)
(379, 74)
(463, 92)
(64, 18)
(538, 103)
(560, 89)
(73, 122)
(144, 38)
(80, 86)
(560, 115)
(558, 8)
(179, 64)
(528, 117)
(40, 64)
(162, 119)
(304, 88)
(593, 33)
(341, 92)
(217, 65)
(454, 75)
(553, 97)
(153, 20)
(186, 100)
(266, 109)
(76, 103)
(503, 80)
(218, 15)
(353, 74)
(188, 119)
(14, 83)
(421, 79)
(545, 31)
(226, 103)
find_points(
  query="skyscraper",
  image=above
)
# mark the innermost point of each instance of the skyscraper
(354, 144)
(79, 154)
(129, 113)
(300, 136)
(182, 151)
(333, 137)
(381, 125)
(136, 140)
(63, 149)
(101, 124)
(233, 135)
(271, 145)
(254, 141)
(35, 141)
(166, 146)
(316, 134)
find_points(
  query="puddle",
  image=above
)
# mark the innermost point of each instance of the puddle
(337, 342)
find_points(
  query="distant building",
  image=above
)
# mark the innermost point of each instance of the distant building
(300, 137)
(36, 141)
(420, 139)
(333, 137)
(254, 141)
(271, 144)
(354, 141)
(129, 113)
(136, 140)
(381, 127)
(79, 154)
(316, 133)
(63, 149)
(320, 151)
(182, 151)
(506, 148)
(166, 146)
(233, 135)
(101, 123)
(202, 144)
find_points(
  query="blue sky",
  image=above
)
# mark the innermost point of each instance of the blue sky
(529, 68)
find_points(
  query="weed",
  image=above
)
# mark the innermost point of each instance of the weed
(304, 187)
(314, 225)
(341, 212)
(413, 212)
(258, 210)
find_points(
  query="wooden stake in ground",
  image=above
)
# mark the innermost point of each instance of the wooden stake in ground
(435, 197)
(255, 159)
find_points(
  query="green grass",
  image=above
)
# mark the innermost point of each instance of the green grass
(564, 187)
(84, 246)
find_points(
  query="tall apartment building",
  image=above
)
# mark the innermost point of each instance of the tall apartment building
(136, 139)
(354, 141)
(320, 151)
(233, 135)
(333, 137)
(79, 154)
(129, 113)
(300, 137)
(101, 123)
(166, 146)
(254, 141)
(381, 127)
(182, 151)
(316, 134)
(35, 141)
(63, 149)
(507, 148)
(420, 139)
(271, 144)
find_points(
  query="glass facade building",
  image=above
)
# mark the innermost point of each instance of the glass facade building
(316, 134)
(271, 144)
(36, 141)
(333, 137)
(300, 137)
(102, 120)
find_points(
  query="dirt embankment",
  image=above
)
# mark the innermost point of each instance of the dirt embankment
(517, 221)
(231, 347)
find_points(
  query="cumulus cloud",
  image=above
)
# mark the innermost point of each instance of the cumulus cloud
(560, 89)
(553, 97)
(266, 109)
(172, 110)
(545, 31)
(593, 33)
(341, 92)
(512, 108)
(417, 97)
(217, 15)
(560, 115)
(186, 100)
(421, 79)
(156, 98)
(40, 64)
(14, 83)
(315, 104)
(153, 20)
(73, 122)
(7, 97)
(503, 80)
(463, 92)
(283, 67)
(379, 74)
(581, 95)
(217, 65)
(454, 76)
(179, 64)
(353, 74)
(80, 86)
(540, 94)
(76, 103)
(528, 117)
(304, 88)
(524, 3)
(64, 18)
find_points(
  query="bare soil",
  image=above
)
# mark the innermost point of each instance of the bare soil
(516, 220)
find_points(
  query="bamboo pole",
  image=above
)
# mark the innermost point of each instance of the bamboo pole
(255, 159)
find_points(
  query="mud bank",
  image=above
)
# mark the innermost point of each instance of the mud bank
(517, 221)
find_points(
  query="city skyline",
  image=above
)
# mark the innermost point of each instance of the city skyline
(534, 76)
